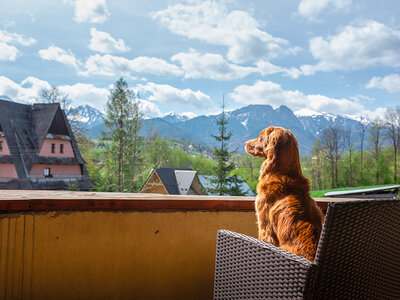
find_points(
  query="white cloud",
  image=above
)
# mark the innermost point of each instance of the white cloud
(110, 65)
(82, 93)
(8, 52)
(360, 98)
(61, 56)
(212, 22)
(212, 66)
(378, 113)
(92, 11)
(103, 42)
(267, 92)
(390, 83)
(150, 109)
(266, 68)
(165, 93)
(356, 47)
(28, 90)
(15, 38)
(8, 23)
(312, 8)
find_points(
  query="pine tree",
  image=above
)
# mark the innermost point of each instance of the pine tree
(223, 183)
(123, 121)
(236, 186)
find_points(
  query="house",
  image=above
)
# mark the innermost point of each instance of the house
(206, 182)
(38, 149)
(173, 181)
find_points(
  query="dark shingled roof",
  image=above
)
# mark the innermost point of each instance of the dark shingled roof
(167, 176)
(25, 128)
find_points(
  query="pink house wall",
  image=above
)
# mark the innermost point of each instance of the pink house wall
(7, 170)
(38, 169)
(46, 148)
(6, 150)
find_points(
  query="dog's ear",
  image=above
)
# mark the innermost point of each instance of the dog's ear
(281, 151)
(274, 140)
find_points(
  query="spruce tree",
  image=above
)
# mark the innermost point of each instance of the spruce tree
(123, 121)
(223, 183)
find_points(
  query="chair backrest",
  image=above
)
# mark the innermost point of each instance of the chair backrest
(358, 255)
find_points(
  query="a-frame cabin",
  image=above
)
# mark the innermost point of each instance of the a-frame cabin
(38, 149)
(173, 181)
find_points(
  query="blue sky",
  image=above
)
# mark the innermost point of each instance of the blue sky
(333, 56)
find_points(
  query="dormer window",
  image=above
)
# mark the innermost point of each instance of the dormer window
(61, 148)
(53, 148)
(1, 146)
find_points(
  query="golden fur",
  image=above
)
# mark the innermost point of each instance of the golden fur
(287, 216)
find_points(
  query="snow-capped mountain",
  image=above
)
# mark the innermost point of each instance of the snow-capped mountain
(88, 115)
(172, 118)
(315, 123)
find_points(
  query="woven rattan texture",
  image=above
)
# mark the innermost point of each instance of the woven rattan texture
(247, 268)
(358, 256)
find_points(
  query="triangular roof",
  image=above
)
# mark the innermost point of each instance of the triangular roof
(16, 123)
(167, 176)
(25, 128)
(184, 179)
(42, 117)
(177, 181)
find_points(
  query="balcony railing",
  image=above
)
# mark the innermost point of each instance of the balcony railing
(82, 245)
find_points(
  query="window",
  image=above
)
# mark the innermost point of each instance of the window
(46, 172)
(53, 148)
(61, 148)
(1, 146)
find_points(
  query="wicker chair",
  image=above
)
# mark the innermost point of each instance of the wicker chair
(358, 257)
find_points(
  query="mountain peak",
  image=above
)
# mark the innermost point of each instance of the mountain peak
(89, 115)
(173, 117)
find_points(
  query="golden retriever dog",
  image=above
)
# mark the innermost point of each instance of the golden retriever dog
(286, 214)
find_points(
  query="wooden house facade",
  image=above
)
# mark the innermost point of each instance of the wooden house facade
(173, 181)
(38, 149)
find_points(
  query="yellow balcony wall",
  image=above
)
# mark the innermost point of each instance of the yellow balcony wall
(127, 254)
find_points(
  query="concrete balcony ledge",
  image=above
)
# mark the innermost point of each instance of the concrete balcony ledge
(20, 200)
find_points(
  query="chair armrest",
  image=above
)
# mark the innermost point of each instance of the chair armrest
(248, 268)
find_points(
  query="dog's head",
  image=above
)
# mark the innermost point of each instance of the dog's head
(279, 148)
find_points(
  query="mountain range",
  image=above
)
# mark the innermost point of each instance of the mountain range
(244, 123)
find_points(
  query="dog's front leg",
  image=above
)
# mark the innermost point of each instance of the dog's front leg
(265, 230)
